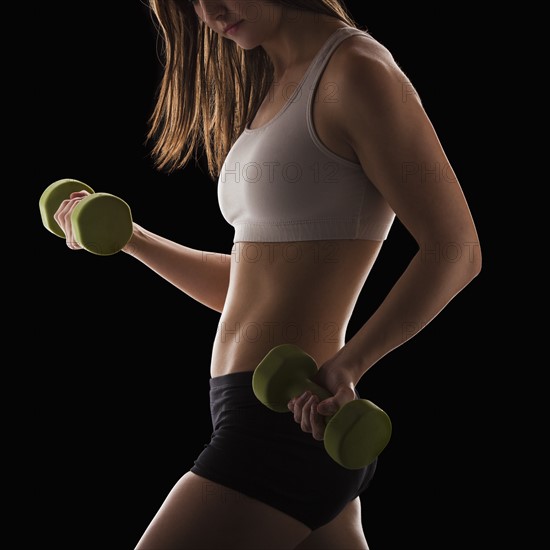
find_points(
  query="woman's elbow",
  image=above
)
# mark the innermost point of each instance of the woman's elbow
(459, 258)
(470, 266)
(474, 267)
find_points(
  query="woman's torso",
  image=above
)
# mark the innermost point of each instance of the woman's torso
(299, 292)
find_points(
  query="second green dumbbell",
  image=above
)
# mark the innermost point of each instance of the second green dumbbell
(354, 436)
(102, 223)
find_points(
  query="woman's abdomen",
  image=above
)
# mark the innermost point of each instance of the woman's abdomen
(241, 342)
(305, 299)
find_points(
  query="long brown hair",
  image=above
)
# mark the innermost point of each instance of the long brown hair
(210, 87)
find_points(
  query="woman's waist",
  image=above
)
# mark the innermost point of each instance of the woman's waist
(249, 331)
(241, 343)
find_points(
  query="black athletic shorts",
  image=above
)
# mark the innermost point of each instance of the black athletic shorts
(266, 455)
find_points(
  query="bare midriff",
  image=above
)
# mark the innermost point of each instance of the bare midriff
(301, 293)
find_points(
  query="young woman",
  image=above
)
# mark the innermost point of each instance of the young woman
(317, 141)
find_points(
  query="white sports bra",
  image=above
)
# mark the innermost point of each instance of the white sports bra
(279, 183)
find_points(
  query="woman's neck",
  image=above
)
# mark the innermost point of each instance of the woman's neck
(296, 38)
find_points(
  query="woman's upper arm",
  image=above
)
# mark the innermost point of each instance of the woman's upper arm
(387, 127)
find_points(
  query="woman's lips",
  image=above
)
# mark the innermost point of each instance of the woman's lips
(232, 29)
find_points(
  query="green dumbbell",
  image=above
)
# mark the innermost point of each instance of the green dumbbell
(354, 436)
(102, 223)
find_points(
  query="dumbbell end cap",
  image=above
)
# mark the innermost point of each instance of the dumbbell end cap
(102, 224)
(276, 379)
(357, 434)
(53, 196)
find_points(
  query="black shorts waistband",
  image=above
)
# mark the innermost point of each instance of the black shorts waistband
(233, 379)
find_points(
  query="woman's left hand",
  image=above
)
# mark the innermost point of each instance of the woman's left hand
(312, 413)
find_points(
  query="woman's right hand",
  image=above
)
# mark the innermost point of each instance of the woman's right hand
(63, 217)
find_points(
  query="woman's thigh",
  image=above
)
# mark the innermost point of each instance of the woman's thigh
(203, 515)
(344, 532)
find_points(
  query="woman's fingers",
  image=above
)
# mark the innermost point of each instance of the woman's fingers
(296, 405)
(312, 413)
(317, 423)
(63, 217)
(304, 409)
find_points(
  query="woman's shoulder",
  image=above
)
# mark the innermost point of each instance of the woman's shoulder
(361, 51)
(363, 66)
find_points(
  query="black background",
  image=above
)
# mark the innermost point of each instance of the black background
(118, 401)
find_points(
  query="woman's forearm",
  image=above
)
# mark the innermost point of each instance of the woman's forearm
(204, 276)
(427, 285)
